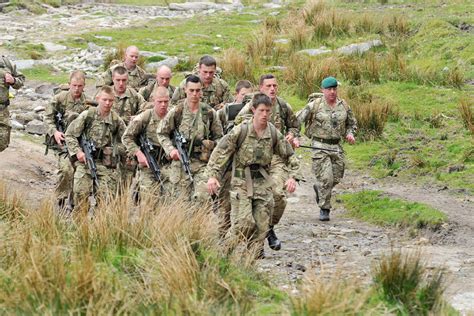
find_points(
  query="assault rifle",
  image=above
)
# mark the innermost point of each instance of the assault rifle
(180, 143)
(147, 148)
(50, 141)
(89, 150)
(320, 148)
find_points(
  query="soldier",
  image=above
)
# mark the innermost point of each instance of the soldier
(199, 125)
(215, 91)
(146, 123)
(227, 115)
(63, 109)
(252, 144)
(285, 120)
(327, 121)
(163, 78)
(104, 128)
(136, 75)
(9, 77)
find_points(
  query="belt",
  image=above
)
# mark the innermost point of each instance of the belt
(327, 141)
(255, 174)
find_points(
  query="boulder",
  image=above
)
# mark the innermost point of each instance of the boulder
(105, 38)
(170, 62)
(92, 47)
(39, 108)
(52, 47)
(36, 127)
(192, 6)
(44, 89)
(359, 48)
(315, 51)
(25, 117)
(16, 125)
(24, 63)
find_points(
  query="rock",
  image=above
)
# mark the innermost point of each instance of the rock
(192, 6)
(366, 253)
(359, 48)
(272, 6)
(315, 51)
(24, 64)
(44, 89)
(16, 125)
(281, 41)
(216, 48)
(25, 117)
(39, 108)
(299, 267)
(7, 37)
(105, 38)
(36, 127)
(52, 47)
(455, 168)
(170, 62)
(96, 62)
(92, 47)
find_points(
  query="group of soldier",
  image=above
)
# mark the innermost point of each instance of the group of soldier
(196, 141)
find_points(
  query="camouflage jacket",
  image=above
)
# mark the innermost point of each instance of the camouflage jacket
(136, 77)
(104, 132)
(6, 66)
(147, 91)
(326, 122)
(195, 127)
(63, 103)
(216, 94)
(282, 117)
(253, 150)
(128, 105)
(147, 122)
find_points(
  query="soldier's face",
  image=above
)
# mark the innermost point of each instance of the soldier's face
(163, 78)
(131, 58)
(120, 82)
(330, 94)
(262, 113)
(270, 88)
(206, 73)
(241, 94)
(161, 105)
(76, 87)
(193, 92)
(105, 102)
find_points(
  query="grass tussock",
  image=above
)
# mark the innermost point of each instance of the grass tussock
(235, 67)
(403, 280)
(467, 113)
(260, 46)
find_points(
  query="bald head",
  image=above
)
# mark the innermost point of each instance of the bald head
(131, 57)
(161, 100)
(163, 76)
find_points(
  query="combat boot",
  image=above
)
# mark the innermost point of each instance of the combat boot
(273, 241)
(324, 214)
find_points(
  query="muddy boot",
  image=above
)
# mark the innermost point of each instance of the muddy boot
(324, 214)
(273, 241)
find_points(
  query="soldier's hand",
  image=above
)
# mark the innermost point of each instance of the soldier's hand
(81, 156)
(350, 139)
(9, 78)
(59, 137)
(141, 159)
(174, 154)
(290, 185)
(289, 137)
(295, 143)
(213, 186)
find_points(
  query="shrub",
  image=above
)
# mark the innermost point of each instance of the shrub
(467, 116)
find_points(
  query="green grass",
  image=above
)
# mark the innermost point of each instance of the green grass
(46, 74)
(375, 208)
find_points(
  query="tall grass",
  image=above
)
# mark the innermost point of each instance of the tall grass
(235, 66)
(467, 113)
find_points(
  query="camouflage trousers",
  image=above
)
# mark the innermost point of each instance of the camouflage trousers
(328, 168)
(280, 175)
(182, 186)
(4, 128)
(250, 216)
(224, 207)
(83, 186)
(147, 184)
(64, 186)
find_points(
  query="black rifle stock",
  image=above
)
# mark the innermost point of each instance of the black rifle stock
(50, 141)
(89, 149)
(180, 143)
(147, 148)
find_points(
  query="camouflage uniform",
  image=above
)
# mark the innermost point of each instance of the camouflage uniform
(148, 122)
(251, 186)
(195, 127)
(285, 120)
(136, 78)
(147, 91)
(6, 66)
(69, 108)
(326, 126)
(106, 134)
(129, 104)
(216, 94)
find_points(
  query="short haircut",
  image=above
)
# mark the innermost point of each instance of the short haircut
(119, 70)
(265, 77)
(77, 74)
(193, 79)
(161, 92)
(207, 60)
(261, 98)
(242, 84)
(106, 89)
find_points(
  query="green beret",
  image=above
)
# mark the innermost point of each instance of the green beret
(328, 82)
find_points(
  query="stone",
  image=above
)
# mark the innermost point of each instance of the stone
(36, 127)
(281, 41)
(39, 108)
(315, 51)
(7, 37)
(170, 62)
(16, 125)
(455, 168)
(25, 117)
(359, 48)
(192, 6)
(52, 47)
(44, 89)
(272, 6)
(93, 47)
(24, 63)
(96, 62)
(105, 38)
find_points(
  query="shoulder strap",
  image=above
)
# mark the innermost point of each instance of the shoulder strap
(273, 133)
(283, 108)
(244, 130)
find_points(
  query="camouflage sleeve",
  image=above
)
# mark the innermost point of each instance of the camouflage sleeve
(178, 94)
(286, 152)
(303, 115)
(221, 116)
(131, 133)
(165, 128)
(140, 103)
(244, 114)
(105, 79)
(223, 152)
(216, 127)
(292, 124)
(18, 76)
(120, 131)
(73, 132)
(351, 122)
(145, 92)
(49, 113)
